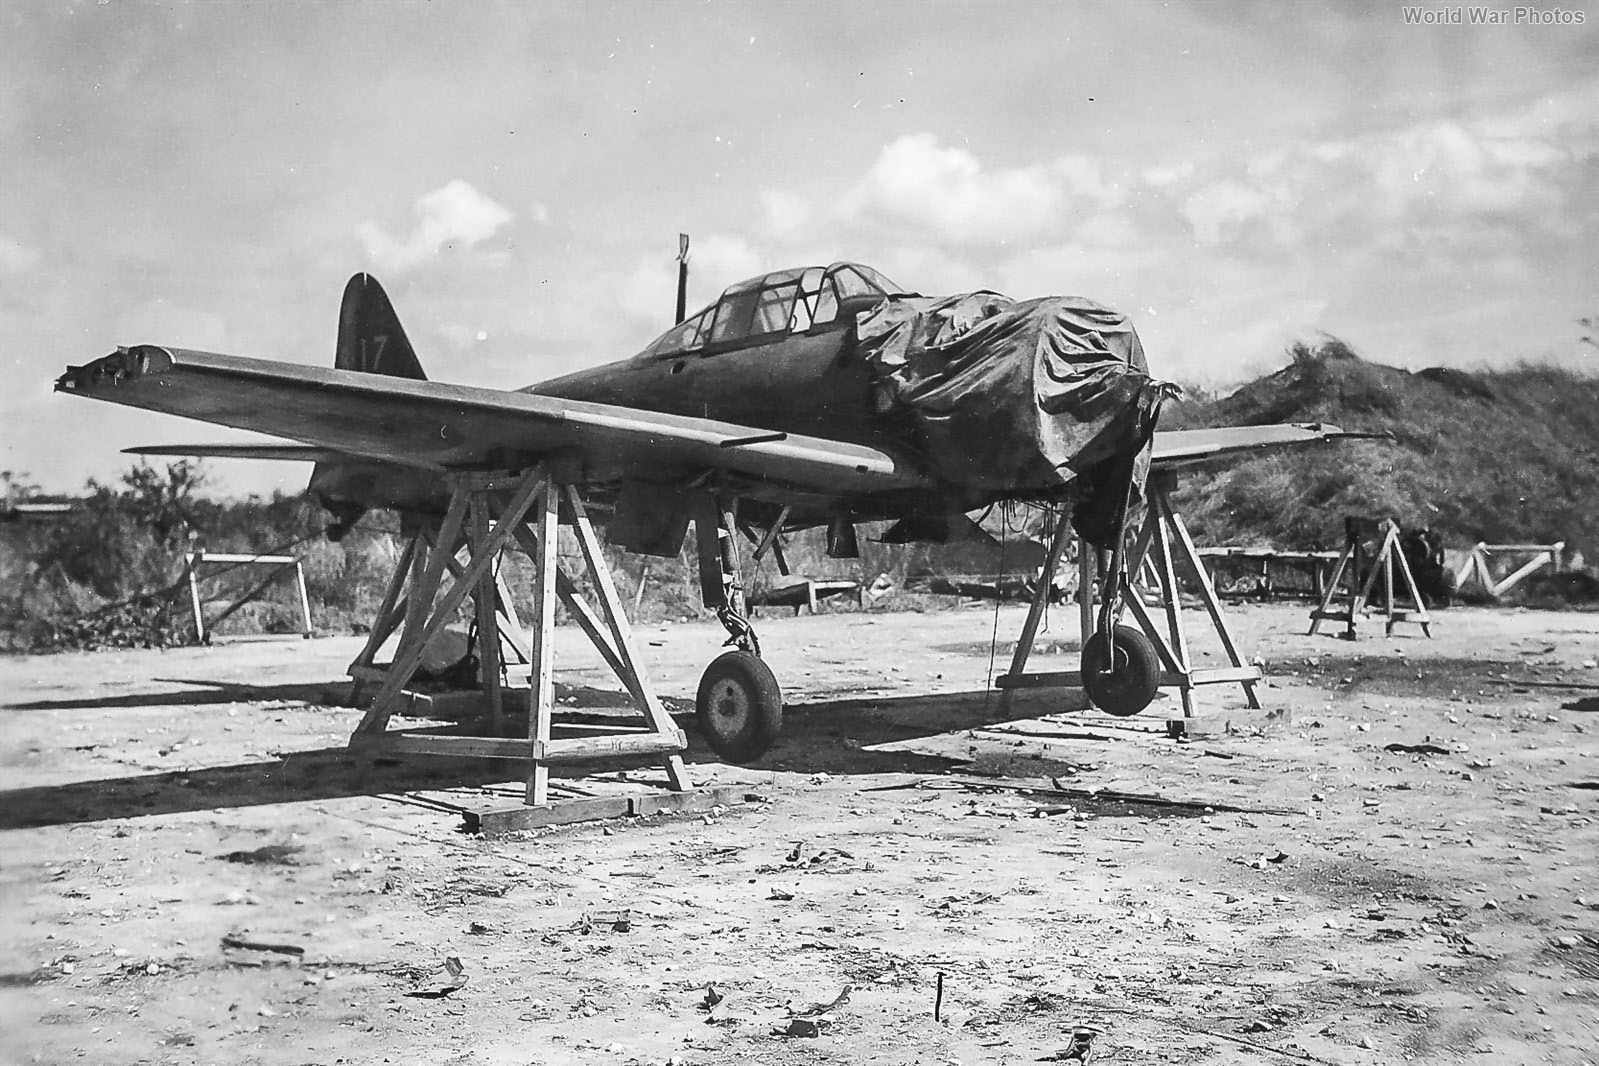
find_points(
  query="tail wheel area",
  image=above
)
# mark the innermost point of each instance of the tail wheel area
(739, 707)
(1121, 676)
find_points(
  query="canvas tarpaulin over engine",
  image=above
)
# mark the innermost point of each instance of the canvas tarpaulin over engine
(1041, 393)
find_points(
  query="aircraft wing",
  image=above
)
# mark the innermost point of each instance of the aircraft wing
(1178, 448)
(438, 426)
(1173, 448)
(292, 453)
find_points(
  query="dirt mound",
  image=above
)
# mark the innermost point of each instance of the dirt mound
(1508, 456)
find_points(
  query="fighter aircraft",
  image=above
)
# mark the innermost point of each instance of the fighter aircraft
(821, 396)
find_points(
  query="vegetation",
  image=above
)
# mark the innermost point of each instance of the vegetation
(1505, 456)
(113, 572)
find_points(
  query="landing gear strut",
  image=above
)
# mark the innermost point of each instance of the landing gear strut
(739, 705)
(1121, 669)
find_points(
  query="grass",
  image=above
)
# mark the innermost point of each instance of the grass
(1505, 456)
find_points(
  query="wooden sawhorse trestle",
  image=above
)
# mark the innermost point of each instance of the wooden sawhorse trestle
(1162, 541)
(488, 513)
(1360, 594)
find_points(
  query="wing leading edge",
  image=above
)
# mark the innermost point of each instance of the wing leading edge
(433, 425)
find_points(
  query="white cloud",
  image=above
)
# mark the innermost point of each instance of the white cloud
(16, 257)
(1216, 209)
(719, 260)
(1455, 179)
(158, 322)
(786, 214)
(649, 292)
(944, 193)
(459, 337)
(454, 217)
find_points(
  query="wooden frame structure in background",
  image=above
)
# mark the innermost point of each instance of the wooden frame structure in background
(280, 564)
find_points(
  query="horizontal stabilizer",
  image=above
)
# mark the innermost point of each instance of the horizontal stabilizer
(293, 453)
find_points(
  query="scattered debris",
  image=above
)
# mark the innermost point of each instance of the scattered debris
(1102, 795)
(817, 1009)
(803, 1027)
(442, 983)
(1079, 1050)
(239, 943)
(270, 855)
(600, 921)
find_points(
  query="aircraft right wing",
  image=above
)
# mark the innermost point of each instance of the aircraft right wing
(1177, 448)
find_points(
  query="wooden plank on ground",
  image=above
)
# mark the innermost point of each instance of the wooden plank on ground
(510, 818)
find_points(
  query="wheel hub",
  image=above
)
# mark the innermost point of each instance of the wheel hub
(730, 706)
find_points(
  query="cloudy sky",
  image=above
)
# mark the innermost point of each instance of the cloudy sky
(1233, 175)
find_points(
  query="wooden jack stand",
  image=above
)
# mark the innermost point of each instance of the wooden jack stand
(486, 513)
(1161, 541)
(1360, 594)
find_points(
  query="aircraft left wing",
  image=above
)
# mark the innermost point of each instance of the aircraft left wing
(432, 425)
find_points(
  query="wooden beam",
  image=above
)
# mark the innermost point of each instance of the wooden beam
(541, 701)
(413, 645)
(484, 594)
(1035, 610)
(622, 634)
(611, 745)
(443, 744)
(388, 615)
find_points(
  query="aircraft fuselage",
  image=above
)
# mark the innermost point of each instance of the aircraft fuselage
(811, 383)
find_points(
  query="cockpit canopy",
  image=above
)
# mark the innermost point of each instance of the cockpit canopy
(784, 301)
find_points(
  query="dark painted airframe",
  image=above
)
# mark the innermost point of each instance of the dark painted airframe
(763, 400)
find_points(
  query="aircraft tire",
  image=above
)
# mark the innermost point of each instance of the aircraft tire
(1125, 684)
(739, 707)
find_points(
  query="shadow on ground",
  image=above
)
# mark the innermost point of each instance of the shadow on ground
(835, 736)
(207, 694)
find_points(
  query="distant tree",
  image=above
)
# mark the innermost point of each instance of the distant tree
(19, 485)
(126, 538)
(163, 501)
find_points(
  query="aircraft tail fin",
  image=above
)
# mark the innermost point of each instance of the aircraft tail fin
(371, 341)
(371, 338)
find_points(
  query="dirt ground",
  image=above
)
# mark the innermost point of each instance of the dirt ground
(1340, 902)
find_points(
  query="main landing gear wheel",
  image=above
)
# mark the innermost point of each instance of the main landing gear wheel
(739, 707)
(1125, 680)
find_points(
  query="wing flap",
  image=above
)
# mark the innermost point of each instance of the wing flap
(442, 426)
